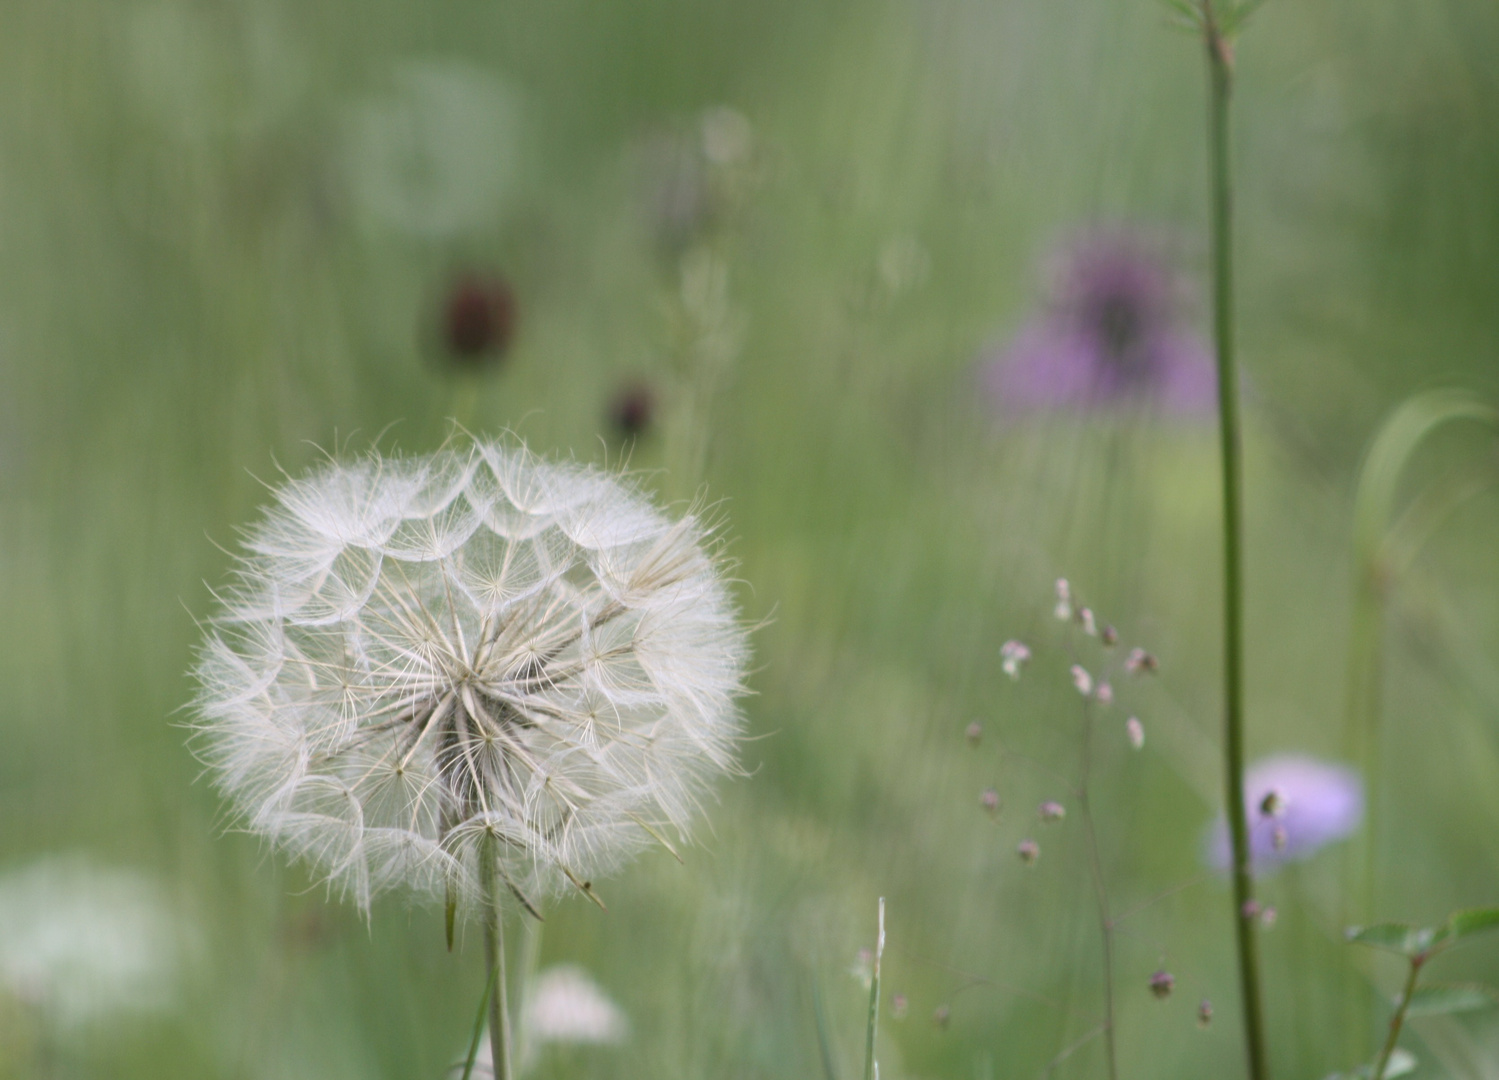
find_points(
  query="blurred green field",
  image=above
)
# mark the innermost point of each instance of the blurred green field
(226, 229)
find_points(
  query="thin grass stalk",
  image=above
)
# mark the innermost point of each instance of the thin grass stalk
(1220, 81)
(1100, 893)
(871, 1066)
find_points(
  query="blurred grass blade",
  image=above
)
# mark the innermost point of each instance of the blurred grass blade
(473, 1046)
(872, 1067)
(824, 1044)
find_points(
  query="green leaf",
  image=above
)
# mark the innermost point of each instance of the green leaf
(1393, 937)
(1464, 924)
(1440, 1000)
(1188, 11)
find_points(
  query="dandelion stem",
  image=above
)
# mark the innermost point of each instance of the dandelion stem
(473, 1046)
(1100, 892)
(494, 958)
(1220, 79)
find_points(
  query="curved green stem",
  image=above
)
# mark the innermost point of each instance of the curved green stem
(1220, 69)
(1398, 1019)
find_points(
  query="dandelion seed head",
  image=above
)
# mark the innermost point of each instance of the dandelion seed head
(419, 656)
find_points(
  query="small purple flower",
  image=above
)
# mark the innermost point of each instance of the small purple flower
(1112, 334)
(1316, 803)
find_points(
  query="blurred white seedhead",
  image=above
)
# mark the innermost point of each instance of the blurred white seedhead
(423, 656)
(83, 943)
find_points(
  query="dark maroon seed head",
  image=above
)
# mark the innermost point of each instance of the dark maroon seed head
(479, 319)
(632, 410)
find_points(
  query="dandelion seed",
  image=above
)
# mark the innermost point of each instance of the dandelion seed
(1105, 694)
(1090, 625)
(1140, 662)
(989, 800)
(1161, 984)
(1136, 732)
(1082, 680)
(424, 657)
(974, 733)
(941, 1017)
(1204, 1013)
(1013, 656)
(1051, 812)
(1318, 804)
(1029, 851)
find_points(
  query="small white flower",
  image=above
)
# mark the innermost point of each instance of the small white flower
(1013, 656)
(421, 656)
(1082, 680)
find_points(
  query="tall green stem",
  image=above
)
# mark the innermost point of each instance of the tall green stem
(1100, 893)
(1220, 69)
(494, 959)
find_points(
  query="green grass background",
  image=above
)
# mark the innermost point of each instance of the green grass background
(195, 293)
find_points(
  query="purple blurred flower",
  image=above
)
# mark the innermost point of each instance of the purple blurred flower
(1296, 805)
(1112, 333)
